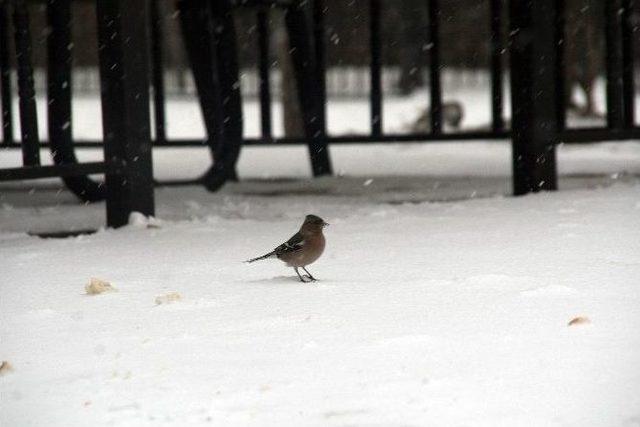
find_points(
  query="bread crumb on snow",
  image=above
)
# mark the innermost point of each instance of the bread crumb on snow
(5, 367)
(97, 286)
(580, 320)
(168, 298)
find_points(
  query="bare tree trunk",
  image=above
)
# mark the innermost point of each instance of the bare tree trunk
(592, 66)
(176, 58)
(584, 52)
(292, 117)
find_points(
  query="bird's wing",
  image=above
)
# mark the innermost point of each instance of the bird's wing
(295, 243)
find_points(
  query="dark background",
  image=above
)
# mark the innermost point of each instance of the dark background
(464, 34)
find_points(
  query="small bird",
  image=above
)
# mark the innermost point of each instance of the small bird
(303, 248)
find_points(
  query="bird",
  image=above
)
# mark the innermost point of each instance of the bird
(302, 249)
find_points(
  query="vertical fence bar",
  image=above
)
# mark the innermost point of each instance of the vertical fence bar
(628, 63)
(375, 67)
(5, 76)
(614, 60)
(264, 71)
(157, 23)
(229, 102)
(59, 74)
(318, 32)
(561, 80)
(123, 27)
(197, 32)
(59, 94)
(26, 91)
(497, 48)
(434, 67)
(306, 70)
(533, 95)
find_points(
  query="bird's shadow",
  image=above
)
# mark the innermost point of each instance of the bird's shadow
(281, 280)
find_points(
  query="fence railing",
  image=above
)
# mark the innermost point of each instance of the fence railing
(535, 40)
(343, 82)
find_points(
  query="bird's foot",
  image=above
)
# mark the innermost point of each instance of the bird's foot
(309, 276)
(305, 278)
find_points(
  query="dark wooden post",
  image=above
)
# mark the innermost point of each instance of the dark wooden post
(59, 77)
(497, 47)
(321, 70)
(306, 71)
(5, 76)
(375, 68)
(561, 79)
(209, 35)
(434, 67)
(197, 32)
(264, 66)
(615, 67)
(59, 84)
(628, 62)
(123, 28)
(26, 91)
(533, 95)
(157, 23)
(230, 96)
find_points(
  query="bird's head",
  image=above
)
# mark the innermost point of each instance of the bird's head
(313, 224)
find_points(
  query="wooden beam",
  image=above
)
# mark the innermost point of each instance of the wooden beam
(533, 95)
(123, 28)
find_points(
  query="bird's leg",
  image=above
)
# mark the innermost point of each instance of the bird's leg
(310, 276)
(298, 273)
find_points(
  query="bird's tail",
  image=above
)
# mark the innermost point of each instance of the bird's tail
(265, 256)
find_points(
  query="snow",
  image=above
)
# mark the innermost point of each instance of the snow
(434, 307)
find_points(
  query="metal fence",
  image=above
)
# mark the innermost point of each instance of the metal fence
(535, 41)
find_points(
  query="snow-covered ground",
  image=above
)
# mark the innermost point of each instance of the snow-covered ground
(440, 301)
